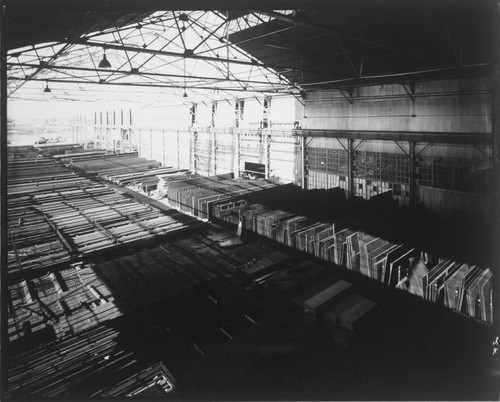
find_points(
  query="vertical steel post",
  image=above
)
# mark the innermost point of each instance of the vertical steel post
(214, 150)
(164, 162)
(178, 151)
(350, 168)
(151, 143)
(3, 199)
(412, 178)
(495, 156)
(139, 145)
(303, 162)
(238, 152)
(267, 144)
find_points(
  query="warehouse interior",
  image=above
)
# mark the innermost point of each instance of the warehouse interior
(274, 200)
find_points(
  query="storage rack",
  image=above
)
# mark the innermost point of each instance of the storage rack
(393, 264)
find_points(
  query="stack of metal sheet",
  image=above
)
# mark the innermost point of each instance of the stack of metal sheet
(396, 265)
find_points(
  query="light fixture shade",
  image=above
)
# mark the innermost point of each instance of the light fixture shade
(47, 89)
(185, 95)
(104, 62)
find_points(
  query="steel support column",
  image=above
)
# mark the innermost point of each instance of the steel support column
(139, 145)
(3, 201)
(267, 150)
(151, 143)
(495, 156)
(350, 168)
(495, 140)
(213, 140)
(178, 151)
(413, 178)
(238, 151)
(194, 152)
(302, 162)
(163, 148)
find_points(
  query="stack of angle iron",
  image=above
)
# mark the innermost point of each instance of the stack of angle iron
(461, 287)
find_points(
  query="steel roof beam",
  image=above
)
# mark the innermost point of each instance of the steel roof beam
(146, 85)
(419, 137)
(170, 54)
(145, 74)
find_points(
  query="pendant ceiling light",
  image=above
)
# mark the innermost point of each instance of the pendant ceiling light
(47, 89)
(104, 63)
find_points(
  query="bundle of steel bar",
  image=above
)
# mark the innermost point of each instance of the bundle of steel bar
(139, 175)
(157, 376)
(80, 155)
(55, 222)
(55, 371)
(68, 303)
(111, 164)
(38, 175)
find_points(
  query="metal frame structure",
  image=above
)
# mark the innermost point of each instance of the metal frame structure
(169, 50)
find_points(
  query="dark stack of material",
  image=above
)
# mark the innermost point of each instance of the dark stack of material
(337, 309)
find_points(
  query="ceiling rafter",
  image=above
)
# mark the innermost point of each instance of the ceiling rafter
(211, 88)
(272, 70)
(128, 73)
(166, 53)
(137, 44)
